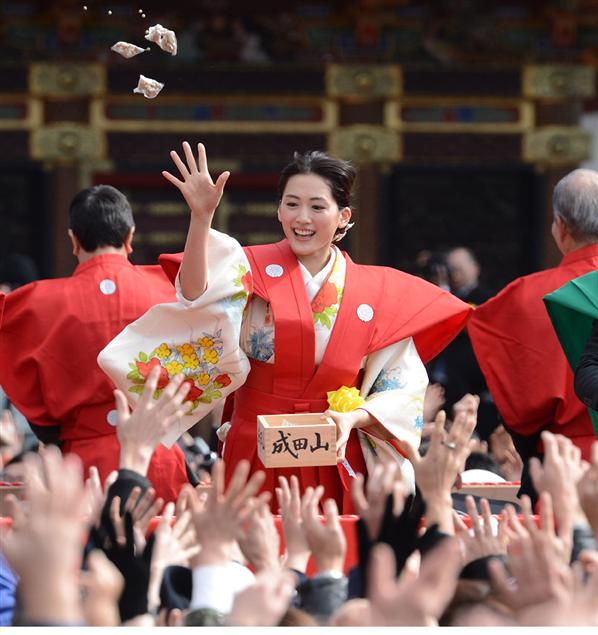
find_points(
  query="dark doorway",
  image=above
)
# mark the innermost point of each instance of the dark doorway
(497, 211)
(24, 213)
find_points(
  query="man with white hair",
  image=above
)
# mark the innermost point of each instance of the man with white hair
(515, 344)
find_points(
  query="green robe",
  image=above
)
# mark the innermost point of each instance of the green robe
(572, 309)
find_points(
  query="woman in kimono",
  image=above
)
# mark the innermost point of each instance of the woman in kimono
(315, 322)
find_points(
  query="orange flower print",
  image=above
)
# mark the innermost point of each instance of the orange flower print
(185, 349)
(145, 368)
(210, 356)
(327, 296)
(203, 379)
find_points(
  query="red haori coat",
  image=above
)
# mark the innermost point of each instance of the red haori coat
(51, 334)
(522, 360)
(403, 306)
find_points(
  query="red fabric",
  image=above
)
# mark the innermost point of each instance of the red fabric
(413, 306)
(170, 264)
(522, 360)
(294, 383)
(404, 305)
(51, 335)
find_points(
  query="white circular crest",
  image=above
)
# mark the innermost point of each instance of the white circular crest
(365, 312)
(107, 286)
(112, 417)
(274, 271)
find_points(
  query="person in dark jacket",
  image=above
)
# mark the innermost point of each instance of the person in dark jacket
(586, 373)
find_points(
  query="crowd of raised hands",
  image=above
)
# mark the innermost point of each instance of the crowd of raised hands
(91, 553)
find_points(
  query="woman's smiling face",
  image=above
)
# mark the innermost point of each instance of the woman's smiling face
(310, 218)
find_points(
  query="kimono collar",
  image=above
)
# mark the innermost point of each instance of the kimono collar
(314, 283)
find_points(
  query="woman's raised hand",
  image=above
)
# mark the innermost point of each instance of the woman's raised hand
(200, 192)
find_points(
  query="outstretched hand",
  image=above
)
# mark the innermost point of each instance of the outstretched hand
(482, 541)
(437, 471)
(219, 521)
(384, 481)
(44, 546)
(197, 187)
(95, 494)
(289, 500)
(326, 541)
(421, 593)
(539, 579)
(142, 509)
(587, 490)
(140, 431)
(260, 540)
(558, 475)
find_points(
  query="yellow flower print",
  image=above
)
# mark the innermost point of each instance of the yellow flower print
(191, 361)
(210, 356)
(174, 367)
(206, 342)
(163, 352)
(186, 349)
(203, 379)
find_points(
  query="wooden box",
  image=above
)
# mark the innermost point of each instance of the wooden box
(296, 440)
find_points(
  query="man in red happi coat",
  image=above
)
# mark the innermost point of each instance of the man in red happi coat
(515, 343)
(52, 331)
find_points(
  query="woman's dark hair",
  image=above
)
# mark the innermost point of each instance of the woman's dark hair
(339, 174)
(100, 216)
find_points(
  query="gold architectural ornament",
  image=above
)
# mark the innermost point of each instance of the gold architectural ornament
(67, 142)
(366, 144)
(144, 122)
(366, 81)
(559, 81)
(557, 145)
(19, 112)
(67, 80)
(482, 115)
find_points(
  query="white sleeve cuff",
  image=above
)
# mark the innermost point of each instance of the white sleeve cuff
(179, 292)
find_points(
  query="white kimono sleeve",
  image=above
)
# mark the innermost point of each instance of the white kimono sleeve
(199, 339)
(394, 386)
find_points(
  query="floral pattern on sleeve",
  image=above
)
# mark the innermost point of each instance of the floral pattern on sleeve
(389, 379)
(244, 279)
(197, 360)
